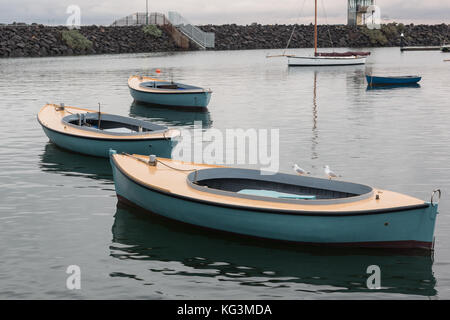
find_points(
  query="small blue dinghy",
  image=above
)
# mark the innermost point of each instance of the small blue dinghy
(168, 93)
(392, 80)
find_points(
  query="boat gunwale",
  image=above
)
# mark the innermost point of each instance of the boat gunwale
(180, 86)
(327, 58)
(323, 65)
(140, 80)
(267, 210)
(326, 61)
(149, 136)
(114, 118)
(249, 174)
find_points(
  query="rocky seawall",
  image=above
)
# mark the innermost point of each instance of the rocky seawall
(42, 41)
(256, 36)
(19, 40)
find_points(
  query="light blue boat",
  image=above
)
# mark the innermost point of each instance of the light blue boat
(88, 132)
(340, 214)
(169, 94)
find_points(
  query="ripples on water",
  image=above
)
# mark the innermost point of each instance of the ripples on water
(59, 208)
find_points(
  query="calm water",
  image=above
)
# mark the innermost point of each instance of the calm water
(59, 208)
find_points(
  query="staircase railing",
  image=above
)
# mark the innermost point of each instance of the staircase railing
(202, 39)
(179, 28)
(141, 18)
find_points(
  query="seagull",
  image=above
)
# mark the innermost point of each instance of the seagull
(299, 170)
(330, 173)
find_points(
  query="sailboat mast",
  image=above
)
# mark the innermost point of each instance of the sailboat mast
(315, 29)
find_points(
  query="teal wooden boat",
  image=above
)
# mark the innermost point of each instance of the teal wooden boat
(299, 209)
(166, 93)
(93, 133)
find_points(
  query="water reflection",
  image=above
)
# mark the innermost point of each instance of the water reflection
(315, 133)
(259, 263)
(57, 160)
(338, 70)
(355, 79)
(390, 87)
(170, 117)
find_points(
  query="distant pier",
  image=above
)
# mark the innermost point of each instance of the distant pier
(427, 48)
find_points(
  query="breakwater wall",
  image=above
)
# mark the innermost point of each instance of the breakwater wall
(42, 41)
(19, 40)
(256, 36)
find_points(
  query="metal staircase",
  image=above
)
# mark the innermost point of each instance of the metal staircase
(181, 30)
(202, 39)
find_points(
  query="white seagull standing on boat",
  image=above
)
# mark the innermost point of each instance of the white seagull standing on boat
(299, 170)
(330, 173)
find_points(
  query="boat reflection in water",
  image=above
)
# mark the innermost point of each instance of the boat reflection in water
(259, 263)
(169, 117)
(393, 86)
(57, 160)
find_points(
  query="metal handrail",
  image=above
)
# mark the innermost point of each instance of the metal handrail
(140, 18)
(195, 34)
(203, 39)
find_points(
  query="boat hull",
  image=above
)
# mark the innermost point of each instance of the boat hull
(100, 147)
(382, 81)
(397, 229)
(325, 61)
(197, 100)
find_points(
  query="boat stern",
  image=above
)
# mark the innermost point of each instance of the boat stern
(204, 100)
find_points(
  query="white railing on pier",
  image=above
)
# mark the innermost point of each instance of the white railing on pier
(140, 19)
(201, 38)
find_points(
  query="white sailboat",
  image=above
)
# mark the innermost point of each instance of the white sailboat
(327, 59)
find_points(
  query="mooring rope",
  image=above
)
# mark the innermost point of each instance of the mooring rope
(295, 25)
(60, 108)
(178, 169)
(159, 161)
(326, 22)
(137, 158)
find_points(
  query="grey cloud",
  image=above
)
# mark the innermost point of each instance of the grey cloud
(219, 11)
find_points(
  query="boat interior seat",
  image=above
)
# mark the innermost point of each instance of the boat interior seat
(275, 194)
(168, 86)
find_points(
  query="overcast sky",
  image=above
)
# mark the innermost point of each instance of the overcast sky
(221, 11)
